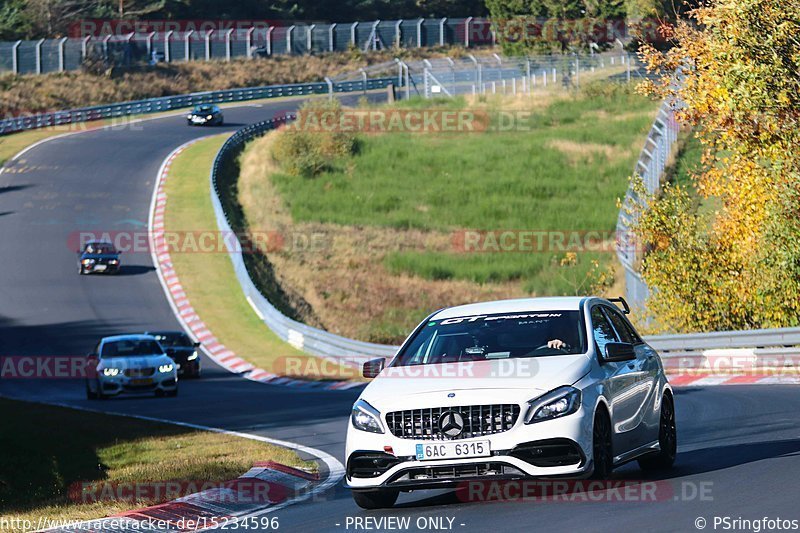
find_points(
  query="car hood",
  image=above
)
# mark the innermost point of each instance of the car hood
(484, 382)
(139, 361)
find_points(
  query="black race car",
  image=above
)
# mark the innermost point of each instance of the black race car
(98, 257)
(181, 349)
(205, 115)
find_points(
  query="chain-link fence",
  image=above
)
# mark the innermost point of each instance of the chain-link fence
(52, 55)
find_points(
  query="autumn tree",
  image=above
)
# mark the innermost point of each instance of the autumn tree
(734, 77)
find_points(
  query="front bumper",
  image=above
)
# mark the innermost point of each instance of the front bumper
(104, 268)
(121, 384)
(561, 447)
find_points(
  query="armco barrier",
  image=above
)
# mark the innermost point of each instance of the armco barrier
(684, 352)
(302, 336)
(169, 103)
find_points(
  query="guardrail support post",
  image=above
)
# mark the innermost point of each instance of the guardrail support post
(310, 38)
(629, 69)
(398, 36)
(39, 44)
(167, 37)
(441, 31)
(331, 44)
(15, 57)
(228, 44)
(289, 39)
(467, 24)
(61, 44)
(249, 42)
(330, 87)
(419, 32)
(353, 28)
(187, 49)
(364, 79)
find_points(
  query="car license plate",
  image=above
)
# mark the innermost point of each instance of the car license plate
(452, 450)
(100, 268)
(146, 381)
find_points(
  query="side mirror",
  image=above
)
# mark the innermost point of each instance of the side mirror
(619, 351)
(373, 367)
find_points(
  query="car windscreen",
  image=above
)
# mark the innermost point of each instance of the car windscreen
(204, 109)
(100, 249)
(497, 336)
(130, 348)
(173, 340)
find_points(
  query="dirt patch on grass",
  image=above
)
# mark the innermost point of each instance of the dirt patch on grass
(577, 152)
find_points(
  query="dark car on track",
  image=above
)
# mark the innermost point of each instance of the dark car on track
(205, 115)
(182, 350)
(98, 257)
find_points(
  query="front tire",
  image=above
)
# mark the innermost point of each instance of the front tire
(90, 395)
(602, 453)
(667, 440)
(375, 499)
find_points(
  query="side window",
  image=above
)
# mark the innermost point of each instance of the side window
(623, 331)
(602, 331)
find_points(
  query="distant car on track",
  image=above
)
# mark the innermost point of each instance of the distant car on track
(98, 257)
(510, 390)
(205, 115)
(183, 350)
(130, 364)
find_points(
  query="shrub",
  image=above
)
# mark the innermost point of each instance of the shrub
(302, 149)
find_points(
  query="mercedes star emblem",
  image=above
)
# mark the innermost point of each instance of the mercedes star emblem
(451, 424)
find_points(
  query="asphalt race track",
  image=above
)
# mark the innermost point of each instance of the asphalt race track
(739, 445)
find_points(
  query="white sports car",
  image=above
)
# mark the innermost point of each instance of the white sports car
(510, 390)
(130, 364)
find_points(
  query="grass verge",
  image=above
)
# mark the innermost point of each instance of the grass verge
(209, 279)
(52, 450)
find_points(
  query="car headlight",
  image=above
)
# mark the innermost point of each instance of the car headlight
(166, 368)
(113, 261)
(560, 402)
(110, 372)
(208, 117)
(366, 418)
(193, 356)
(87, 261)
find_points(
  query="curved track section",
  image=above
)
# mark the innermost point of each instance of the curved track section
(738, 445)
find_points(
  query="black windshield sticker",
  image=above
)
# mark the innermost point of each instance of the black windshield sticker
(489, 318)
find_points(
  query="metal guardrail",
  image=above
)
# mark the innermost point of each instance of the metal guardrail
(649, 167)
(302, 336)
(168, 103)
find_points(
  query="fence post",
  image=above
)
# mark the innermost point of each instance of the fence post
(289, 39)
(310, 38)
(166, 45)
(374, 34)
(397, 33)
(331, 45)
(208, 44)
(269, 40)
(84, 47)
(453, 72)
(187, 51)
(249, 42)
(425, 77)
(419, 32)
(148, 43)
(105, 46)
(330, 87)
(544, 77)
(15, 57)
(61, 44)
(228, 44)
(629, 69)
(39, 44)
(466, 31)
(353, 28)
(441, 31)
(364, 79)
(577, 71)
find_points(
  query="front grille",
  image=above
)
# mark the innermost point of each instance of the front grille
(471, 470)
(479, 420)
(139, 372)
